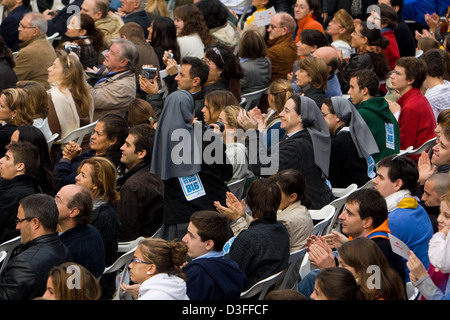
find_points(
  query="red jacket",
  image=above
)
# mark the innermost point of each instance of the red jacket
(392, 52)
(416, 120)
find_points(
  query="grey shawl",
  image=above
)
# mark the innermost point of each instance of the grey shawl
(314, 122)
(175, 149)
(361, 135)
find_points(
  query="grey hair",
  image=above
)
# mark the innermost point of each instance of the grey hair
(38, 20)
(440, 182)
(128, 52)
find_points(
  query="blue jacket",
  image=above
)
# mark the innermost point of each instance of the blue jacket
(410, 223)
(9, 26)
(214, 278)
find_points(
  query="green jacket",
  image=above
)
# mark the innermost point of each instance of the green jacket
(383, 125)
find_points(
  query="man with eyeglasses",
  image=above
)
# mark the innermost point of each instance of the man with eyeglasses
(113, 86)
(36, 54)
(281, 49)
(16, 168)
(416, 119)
(25, 275)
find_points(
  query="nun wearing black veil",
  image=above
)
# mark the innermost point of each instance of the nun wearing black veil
(352, 144)
(193, 170)
(305, 147)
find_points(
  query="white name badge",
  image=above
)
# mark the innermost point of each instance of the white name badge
(390, 136)
(192, 187)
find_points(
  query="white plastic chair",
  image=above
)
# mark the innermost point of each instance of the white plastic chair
(339, 204)
(78, 135)
(128, 245)
(263, 286)
(339, 192)
(305, 267)
(53, 37)
(424, 147)
(120, 267)
(237, 187)
(294, 259)
(8, 247)
(327, 212)
(252, 98)
(52, 140)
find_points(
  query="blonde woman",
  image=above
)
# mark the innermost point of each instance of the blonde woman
(340, 30)
(236, 150)
(99, 175)
(15, 110)
(156, 269)
(156, 8)
(71, 103)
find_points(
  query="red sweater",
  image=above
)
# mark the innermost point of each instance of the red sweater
(307, 22)
(416, 120)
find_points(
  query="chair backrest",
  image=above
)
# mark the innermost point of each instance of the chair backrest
(52, 140)
(78, 135)
(339, 192)
(327, 212)
(427, 145)
(237, 187)
(339, 204)
(252, 98)
(263, 286)
(128, 245)
(305, 267)
(8, 247)
(293, 269)
(120, 267)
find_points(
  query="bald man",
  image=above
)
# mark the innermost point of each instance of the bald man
(331, 58)
(434, 191)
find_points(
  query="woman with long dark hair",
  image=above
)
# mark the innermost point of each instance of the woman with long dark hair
(369, 45)
(192, 32)
(225, 71)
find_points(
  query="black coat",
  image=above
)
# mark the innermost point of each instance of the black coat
(297, 152)
(11, 192)
(346, 167)
(140, 207)
(25, 275)
(261, 250)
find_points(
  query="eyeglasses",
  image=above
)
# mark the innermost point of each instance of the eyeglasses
(272, 26)
(139, 261)
(217, 51)
(396, 73)
(23, 27)
(358, 34)
(325, 114)
(22, 220)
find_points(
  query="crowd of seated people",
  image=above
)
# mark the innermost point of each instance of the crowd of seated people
(221, 185)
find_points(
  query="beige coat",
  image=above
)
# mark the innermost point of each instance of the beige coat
(114, 94)
(35, 56)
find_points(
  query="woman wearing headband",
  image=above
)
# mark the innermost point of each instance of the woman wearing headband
(305, 147)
